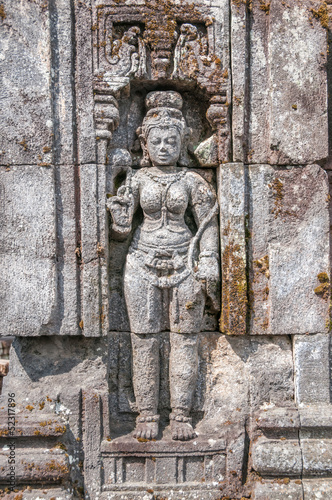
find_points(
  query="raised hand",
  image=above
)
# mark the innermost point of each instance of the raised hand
(121, 208)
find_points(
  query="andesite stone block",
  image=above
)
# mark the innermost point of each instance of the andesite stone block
(276, 457)
(28, 247)
(312, 368)
(288, 87)
(26, 108)
(289, 249)
(287, 490)
(231, 191)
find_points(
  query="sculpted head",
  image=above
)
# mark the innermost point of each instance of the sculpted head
(164, 133)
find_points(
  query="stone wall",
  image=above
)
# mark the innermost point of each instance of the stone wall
(260, 116)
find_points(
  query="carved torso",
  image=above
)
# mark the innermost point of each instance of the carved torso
(164, 201)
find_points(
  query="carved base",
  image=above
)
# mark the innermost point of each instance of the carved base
(171, 492)
(130, 466)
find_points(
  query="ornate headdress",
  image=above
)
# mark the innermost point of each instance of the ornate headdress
(164, 110)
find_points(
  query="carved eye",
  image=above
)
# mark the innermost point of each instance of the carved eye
(155, 140)
(171, 141)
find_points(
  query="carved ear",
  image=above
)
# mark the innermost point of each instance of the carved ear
(145, 161)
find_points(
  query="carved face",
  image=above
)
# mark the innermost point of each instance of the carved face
(189, 31)
(164, 146)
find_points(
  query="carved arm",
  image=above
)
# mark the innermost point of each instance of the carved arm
(203, 203)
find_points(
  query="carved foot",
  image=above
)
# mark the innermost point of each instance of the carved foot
(181, 428)
(147, 427)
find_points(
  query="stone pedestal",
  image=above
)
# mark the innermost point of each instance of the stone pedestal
(195, 467)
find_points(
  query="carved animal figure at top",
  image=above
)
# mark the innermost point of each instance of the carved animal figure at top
(127, 55)
(190, 51)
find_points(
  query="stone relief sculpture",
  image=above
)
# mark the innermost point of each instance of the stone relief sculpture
(189, 52)
(257, 386)
(128, 54)
(170, 273)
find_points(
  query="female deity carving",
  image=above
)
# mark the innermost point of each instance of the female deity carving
(170, 273)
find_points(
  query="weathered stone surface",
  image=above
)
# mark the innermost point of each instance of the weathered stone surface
(31, 466)
(289, 249)
(286, 67)
(68, 250)
(28, 248)
(240, 80)
(271, 372)
(199, 461)
(231, 184)
(48, 376)
(84, 76)
(26, 111)
(171, 492)
(317, 490)
(63, 89)
(36, 362)
(317, 457)
(233, 374)
(290, 490)
(94, 252)
(311, 420)
(277, 419)
(309, 428)
(312, 370)
(38, 225)
(272, 457)
(245, 373)
(37, 424)
(92, 437)
(44, 493)
(315, 416)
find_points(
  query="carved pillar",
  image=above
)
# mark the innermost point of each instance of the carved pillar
(95, 227)
(231, 191)
(106, 120)
(217, 114)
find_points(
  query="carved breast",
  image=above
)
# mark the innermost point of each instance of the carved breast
(155, 196)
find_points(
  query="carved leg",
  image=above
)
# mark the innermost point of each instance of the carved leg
(146, 370)
(143, 300)
(183, 370)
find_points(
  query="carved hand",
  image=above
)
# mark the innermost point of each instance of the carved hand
(208, 271)
(121, 208)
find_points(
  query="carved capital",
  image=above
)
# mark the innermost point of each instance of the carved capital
(217, 112)
(217, 115)
(106, 115)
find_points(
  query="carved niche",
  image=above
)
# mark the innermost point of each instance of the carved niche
(162, 129)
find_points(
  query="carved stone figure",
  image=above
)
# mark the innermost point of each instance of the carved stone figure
(170, 273)
(128, 56)
(189, 54)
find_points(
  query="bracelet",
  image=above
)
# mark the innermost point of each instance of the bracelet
(121, 228)
(148, 418)
(209, 254)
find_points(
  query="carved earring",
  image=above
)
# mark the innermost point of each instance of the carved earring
(145, 161)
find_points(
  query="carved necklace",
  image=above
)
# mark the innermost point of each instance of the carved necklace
(166, 179)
